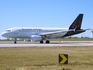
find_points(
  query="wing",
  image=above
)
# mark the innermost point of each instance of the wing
(47, 34)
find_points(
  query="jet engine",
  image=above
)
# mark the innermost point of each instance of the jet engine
(36, 38)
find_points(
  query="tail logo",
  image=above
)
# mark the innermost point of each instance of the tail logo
(76, 26)
(77, 22)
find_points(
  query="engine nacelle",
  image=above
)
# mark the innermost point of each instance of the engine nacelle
(36, 38)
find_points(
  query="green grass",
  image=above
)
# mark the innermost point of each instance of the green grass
(45, 58)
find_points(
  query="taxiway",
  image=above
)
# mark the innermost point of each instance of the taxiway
(66, 43)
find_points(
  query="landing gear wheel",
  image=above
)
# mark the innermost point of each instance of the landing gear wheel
(15, 42)
(47, 41)
(41, 41)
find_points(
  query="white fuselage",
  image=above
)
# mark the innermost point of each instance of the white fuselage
(26, 32)
(40, 34)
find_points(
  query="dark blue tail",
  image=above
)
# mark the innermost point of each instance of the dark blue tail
(77, 23)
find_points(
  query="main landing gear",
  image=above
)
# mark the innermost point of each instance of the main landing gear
(41, 41)
(47, 42)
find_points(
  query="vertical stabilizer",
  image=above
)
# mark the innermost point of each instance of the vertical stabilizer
(77, 23)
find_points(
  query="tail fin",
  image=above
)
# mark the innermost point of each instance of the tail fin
(77, 23)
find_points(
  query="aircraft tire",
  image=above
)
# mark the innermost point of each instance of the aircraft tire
(41, 41)
(47, 41)
(15, 42)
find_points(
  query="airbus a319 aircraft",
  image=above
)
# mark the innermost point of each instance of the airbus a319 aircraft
(41, 34)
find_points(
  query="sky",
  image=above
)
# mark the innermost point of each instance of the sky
(45, 13)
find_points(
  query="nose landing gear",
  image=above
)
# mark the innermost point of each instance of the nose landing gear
(15, 41)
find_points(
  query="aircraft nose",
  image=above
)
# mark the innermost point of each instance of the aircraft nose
(3, 34)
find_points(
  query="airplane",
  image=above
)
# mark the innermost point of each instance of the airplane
(40, 34)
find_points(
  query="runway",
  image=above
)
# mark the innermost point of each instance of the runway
(67, 43)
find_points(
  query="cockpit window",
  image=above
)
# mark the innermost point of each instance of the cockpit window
(8, 30)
